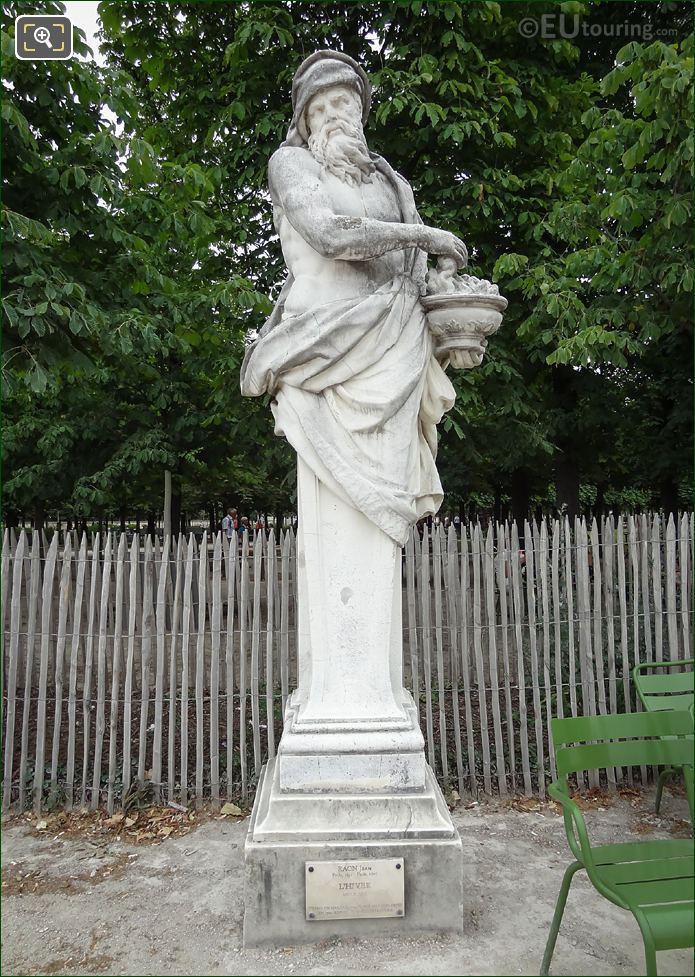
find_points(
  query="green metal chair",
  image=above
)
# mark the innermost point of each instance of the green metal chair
(668, 690)
(651, 879)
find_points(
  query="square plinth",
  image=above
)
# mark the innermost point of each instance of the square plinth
(276, 870)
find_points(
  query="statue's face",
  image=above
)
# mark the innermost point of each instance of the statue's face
(339, 102)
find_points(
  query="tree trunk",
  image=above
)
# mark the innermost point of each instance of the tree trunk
(212, 518)
(521, 495)
(122, 514)
(137, 522)
(566, 465)
(498, 503)
(668, 496)
(567, 484)
(599, 504)
(38, 516)
(350, 33)
(176, 511)
(167, 503)
(151, 524)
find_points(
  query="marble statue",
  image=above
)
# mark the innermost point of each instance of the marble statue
(358, 387)
(346, 353)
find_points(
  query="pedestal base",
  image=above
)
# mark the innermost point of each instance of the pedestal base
(286, 831)
(377, 757)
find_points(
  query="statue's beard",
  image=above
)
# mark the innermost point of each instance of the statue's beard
(340, 147)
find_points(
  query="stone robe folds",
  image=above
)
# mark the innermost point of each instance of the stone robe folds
(358, 392)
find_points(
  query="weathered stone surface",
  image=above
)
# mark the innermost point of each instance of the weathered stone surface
(275, 913)
(282, 816)
(358, 385)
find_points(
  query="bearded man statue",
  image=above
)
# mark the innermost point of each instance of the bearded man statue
(357, 391)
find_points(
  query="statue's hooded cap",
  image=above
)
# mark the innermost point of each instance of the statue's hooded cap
(320, 71)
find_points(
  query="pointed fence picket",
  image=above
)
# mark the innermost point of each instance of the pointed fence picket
(157, 640)
(216, 627)
(116, 673)
(34, 580)
(46, 609)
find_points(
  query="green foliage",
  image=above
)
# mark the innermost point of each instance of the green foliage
(623, 279)
(58, 216)
(140, 251)
(123, 326)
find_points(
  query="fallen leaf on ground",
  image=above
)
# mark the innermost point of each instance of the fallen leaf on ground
(231, 809)
(681, 828)
(452, 799)
(593, 799)
(642, 828)
(527, 805)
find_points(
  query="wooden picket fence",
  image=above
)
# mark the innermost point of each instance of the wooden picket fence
(135, 671)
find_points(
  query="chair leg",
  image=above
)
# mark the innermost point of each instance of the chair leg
(663, 776)
(650, 959)
(557, 918)
(649, 948)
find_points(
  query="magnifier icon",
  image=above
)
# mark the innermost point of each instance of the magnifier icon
(43, 36)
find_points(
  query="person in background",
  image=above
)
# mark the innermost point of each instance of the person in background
(230, 523)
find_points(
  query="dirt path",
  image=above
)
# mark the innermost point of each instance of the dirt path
(74, 903)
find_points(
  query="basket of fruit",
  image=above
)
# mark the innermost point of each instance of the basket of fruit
(462, 312)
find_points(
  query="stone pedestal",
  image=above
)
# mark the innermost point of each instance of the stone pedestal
(352, 755)
(289, 830)
(350, 780)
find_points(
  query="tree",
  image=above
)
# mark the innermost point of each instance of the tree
(565, 172)
(62, 235)
(455, 140)
(108, 314)
(613, 297)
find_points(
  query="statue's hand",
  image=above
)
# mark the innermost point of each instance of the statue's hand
(436, 241)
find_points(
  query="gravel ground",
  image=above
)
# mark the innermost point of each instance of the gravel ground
(175, 907)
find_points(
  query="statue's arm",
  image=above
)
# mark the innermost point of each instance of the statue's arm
(297, 189)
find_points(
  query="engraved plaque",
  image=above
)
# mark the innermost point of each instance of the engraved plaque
(355, 890)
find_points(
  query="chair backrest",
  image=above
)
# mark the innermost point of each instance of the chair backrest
(665, 689)
(631, 739)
